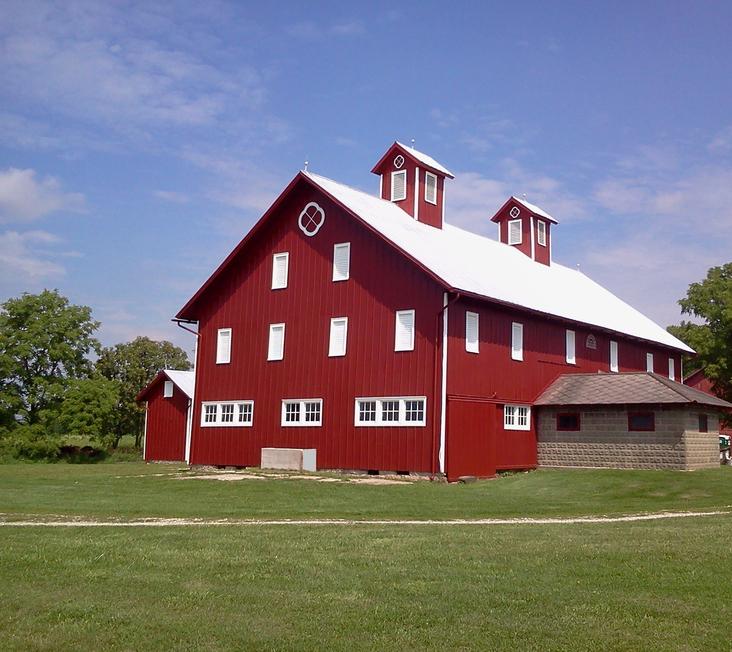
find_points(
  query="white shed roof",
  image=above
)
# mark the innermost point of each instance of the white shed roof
(426, 159)
(534, 209)
(185, 380)
(479, 265)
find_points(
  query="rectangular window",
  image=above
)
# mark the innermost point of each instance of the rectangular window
(302, 412)
(276, 349)
(168, 389)
(614, 356)
(571, 358)
(223, 346)
(404, 330)
(472, 341)
(391, 411)
(641, 421)
(338, 336)
(279, 270)
(399, 185)
(541, 233)
(430, 188)
(568, 421)
(517, 341)
(341, 261)
(514, 232)
(703, 423)
(516, 417)
(672, 369)
(649, 362)
(227, 413)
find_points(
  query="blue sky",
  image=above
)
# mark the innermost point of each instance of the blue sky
(139, 142)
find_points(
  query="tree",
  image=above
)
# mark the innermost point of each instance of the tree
(710, 301)
(134, 364)
(89, 409)
(44, 342)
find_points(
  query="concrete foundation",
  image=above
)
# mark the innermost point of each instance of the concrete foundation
(289, 459)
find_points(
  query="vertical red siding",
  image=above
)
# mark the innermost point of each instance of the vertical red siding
(471, 450)
(165, 433)
(542, 254)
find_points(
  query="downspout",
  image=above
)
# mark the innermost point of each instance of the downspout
(191, 405)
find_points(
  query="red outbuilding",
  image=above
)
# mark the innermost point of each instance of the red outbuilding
(372, 330)
(698, 379)
(168, 414)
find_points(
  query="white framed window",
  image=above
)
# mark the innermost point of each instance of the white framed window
(338, 336)
(399, 185)
(168, 389)
(649, 362)
(342, 261)
(223, 346)
(276, 348)
(430, 188)
(570, 348)
(311, 219)
(672, 369)
(391, 411)
(516, 417)
(514, 232)
(227, 413)
(541, 233)
(404, 330)
(517, 341)
(614, 356)
(472, 335)
(306, 412)
(280, 263)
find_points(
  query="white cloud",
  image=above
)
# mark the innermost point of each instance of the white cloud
(25, 256)
(24, 198)
(172, 196)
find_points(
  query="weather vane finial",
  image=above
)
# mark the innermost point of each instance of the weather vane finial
(306, 165)
(413, 141)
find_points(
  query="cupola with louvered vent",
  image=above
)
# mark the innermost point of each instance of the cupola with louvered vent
(526, 227)
(415, 182)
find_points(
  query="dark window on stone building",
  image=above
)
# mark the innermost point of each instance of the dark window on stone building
(641, 421)
(568, 421)
(703, 423)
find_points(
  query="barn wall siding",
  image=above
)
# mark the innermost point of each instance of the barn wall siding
(165, 434)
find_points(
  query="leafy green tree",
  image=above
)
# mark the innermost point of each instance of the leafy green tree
(710, 301)
(44, 342)
(134, 364)
(89, 409)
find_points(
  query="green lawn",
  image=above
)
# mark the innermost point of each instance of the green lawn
(654, 585)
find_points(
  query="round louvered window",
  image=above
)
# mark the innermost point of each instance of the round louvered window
(398, 161)
(515, 212)
(311, 219)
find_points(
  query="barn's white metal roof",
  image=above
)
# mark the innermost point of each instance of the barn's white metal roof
(185, 380)
(426, 159)
(479, 265)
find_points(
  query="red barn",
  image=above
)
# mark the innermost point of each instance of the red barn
(372, 330)
(699, 380)
(168, 414)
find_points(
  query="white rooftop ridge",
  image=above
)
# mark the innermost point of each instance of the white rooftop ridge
(479, 265)
(426, 159)
(534, 209)
(185, 380)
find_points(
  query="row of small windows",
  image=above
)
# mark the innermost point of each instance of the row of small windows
(341, 265)
(515, 235)
(399, 186)
(386, 411)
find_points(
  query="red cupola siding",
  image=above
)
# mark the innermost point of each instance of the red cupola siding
(413, 181)
(527, 228)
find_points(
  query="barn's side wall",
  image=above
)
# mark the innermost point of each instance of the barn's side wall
(604, 440)
(165, 433)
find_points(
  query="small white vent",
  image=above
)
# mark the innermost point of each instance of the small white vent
(279, 271)
(671, 369)
(338, 336)
(404, 331)
(570, 348)
(168, 387)
(472, 342)
(517, 341)
(614, 356)
(430, 188)
(276, 349)
(223, 346)
(311, 219)
(514, 232)
(341, 261)
(399, 185)
(398, 161)
(649, 362)
(515, 212)
(541, 233)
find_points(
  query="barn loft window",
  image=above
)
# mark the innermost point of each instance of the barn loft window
(568, 421)
(276, 348)
(649, 362)
(703, 423)
(472, 341)
(614, 356)
(404, 330)
(227, 413)
(641, 421)
(570, 348)
(399, 185)
(541, 233)
(514, 232)
(168, 389)
(516, 417)
(430, 188)
(279, 270)
(302, 412)
(672, 369)
(517, 341)
(391, 411)
(223, 346)
(341, 261)
(338, 336)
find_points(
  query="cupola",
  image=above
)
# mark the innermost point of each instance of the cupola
(526, 227)
(413, 181)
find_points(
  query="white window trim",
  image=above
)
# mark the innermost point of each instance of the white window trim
(513, 410)
(672, 369)
(570, 347)
(336, 274)
(394, 174)
(270, 356)
(426, 198)
(331, 352)
(410, 347)
(521, 232)
(301, 423)
(379, 423)
(541, 232)
(218, 423)
(168, 389)
(472, 347)
(220, 357)
(517, 353)
(614, 357)
(649, 362)
(275, 257)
